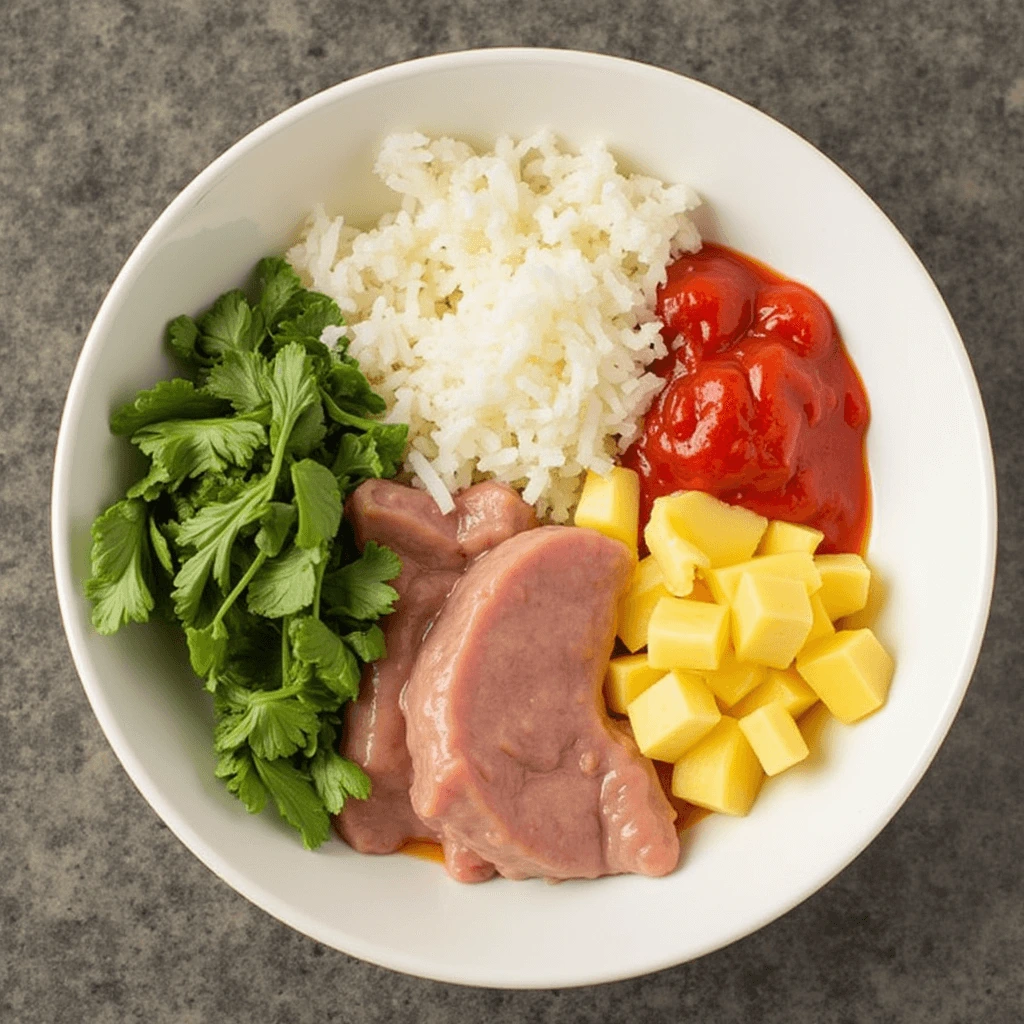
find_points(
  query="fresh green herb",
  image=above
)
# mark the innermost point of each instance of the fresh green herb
(237, 529)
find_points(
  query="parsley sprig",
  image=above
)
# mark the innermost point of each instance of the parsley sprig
(236, 532)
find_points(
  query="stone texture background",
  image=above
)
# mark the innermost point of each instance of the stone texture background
(107, 109)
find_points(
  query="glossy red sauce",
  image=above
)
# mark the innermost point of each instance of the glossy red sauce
(762, 406)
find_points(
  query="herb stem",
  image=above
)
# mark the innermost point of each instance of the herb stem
(286, 649)
(320, 569)
(254, 568)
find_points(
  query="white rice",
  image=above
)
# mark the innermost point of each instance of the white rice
(506, 312)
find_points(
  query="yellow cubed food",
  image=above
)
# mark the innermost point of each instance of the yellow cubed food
(637, 604)
(678, 557)
(671, 715)
(734, 679)
(687, 634)
(821, 625)
(774, 737)
(725, 533)
(783, 685)
(797, 565)
(781, 537)
(721, 772)
(845, 580)
(849, 671)
(771, 617)
(611, 505)
(627, 677)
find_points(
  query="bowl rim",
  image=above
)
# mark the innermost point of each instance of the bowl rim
(68, 586)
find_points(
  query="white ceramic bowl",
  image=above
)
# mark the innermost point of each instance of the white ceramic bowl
(767, 193)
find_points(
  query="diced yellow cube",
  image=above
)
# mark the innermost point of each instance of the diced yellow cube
(798, 565)
(878, 593)
(771, 617)
(721, 772)
(687, 634)
(812, 726)
(774, 737)
(611, 505)
(781, 537)
(671, 715)
(821, 625)
(734, 679)
(637, 604)
(725, 533)
(844, 584)
(850, 672)
(678, 557)
(783, 685)
(627, 677)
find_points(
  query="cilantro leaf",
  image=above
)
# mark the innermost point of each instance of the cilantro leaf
(175, 399)
(367, 643)
(390, 438)
(308, 432)
(352, 391)
(207, 648)
(319, 503)
(292, 390)
(229, 325)
(188, 448)
(276, 283)
(212, 532)
(274, 526)
(357, 460)
(336, 665)
(182, 334)
(121, 582)
(237, 769)
(160, 547)
(241, 378)
(297, 801)
(285, 584)
(316, 312)
(359, 590)
(275, 723)
(336, 778)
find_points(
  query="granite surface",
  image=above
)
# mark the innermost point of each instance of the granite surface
(107, 109)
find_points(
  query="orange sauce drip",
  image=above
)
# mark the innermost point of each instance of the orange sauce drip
(424, 849)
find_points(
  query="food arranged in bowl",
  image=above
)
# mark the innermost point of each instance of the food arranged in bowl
(357, 508)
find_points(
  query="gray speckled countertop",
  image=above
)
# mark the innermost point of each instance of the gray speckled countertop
(107, 109)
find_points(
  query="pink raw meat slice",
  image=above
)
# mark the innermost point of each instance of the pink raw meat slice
(514, 756)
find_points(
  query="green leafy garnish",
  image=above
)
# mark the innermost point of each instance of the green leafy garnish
(241, 378)
(359, 591)
(235, 531)
(121, 584)
(319, 502)
(188, 448)
(336, 665)
(285, 584)
(230, 326)
(175, 399)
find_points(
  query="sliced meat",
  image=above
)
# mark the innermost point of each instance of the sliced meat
(514, 755)
(435, 550)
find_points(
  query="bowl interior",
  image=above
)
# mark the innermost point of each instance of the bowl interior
(767, 193)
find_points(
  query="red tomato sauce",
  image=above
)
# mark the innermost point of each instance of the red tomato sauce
(762, 406)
